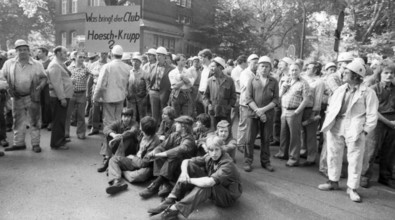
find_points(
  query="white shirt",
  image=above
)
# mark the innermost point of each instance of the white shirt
(204, 79)
(245, 76)
(175, 78)
(236, 72)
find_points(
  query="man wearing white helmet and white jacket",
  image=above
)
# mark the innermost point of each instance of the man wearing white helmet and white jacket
(351, 115)
(111, 87)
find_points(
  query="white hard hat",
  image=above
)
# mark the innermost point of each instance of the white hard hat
(11, 53)
(330, 64)
(195, 58)
(220, 61)
(161, 50)
(345, 56)
(117, 50)
(359, 59)
(357, 67)
(252, 57)
(265, 59)
(20, 43)
(126, 56)
(173, 56)
(91, 54)
(287, 60)
(151, 51)
(137, 57)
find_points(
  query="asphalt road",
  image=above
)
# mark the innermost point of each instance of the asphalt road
(65, 185)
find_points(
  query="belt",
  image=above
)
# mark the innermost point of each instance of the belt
(290, 108)
(201, 92)
(79, 91)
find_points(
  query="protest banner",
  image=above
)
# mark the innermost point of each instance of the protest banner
(107, 26)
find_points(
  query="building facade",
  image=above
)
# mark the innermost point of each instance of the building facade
(173, 24)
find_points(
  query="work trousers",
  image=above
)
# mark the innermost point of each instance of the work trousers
(95, 115)
(386, 140)
(3, 127)
(243, 126)
(78, 102)
(25, 111)
(170, 168)
(370, 153)
(121, 147)
(266, 129)
(309, 136)
(235, 113)
(139, 106)
(157, 105)
(59, 114)
(111, 112)
(290, 141)
(220, 195)
(277, 124)
(46, 116)
(182, 103)
(132, 168)
(355, 151)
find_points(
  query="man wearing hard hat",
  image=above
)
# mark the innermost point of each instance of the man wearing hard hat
(159, 84)
(137, 90)
(111, 88)
(351, 115)
(220, 94)
(26, 78)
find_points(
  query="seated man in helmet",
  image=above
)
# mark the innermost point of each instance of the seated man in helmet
(121, 138)
(168, 156)
(213, 176)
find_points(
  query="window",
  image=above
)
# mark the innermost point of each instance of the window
(178, 20)
(189, 3)
(178, 2)
(74, 4)
(64, 7)
(63, 36)
(73, 36)
(168, 42)
(183, 3)
(94, 2)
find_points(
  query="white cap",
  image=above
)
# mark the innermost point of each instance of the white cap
(345, 56)
(357, 67)
(11, 53)
(137, 57)
(287, 60)
(126, 56)
(20, 43)
(252, 57)
(161, 50)
(91, 55)
(330, 64)
(151, 51)
(220, 61)
(117, 50)
(265, 59)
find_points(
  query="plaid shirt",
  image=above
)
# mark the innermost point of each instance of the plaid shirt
(295, 94)
(79, 77)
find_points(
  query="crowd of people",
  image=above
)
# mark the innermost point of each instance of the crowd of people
(169, 118)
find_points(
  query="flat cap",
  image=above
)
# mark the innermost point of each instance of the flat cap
(184, 119)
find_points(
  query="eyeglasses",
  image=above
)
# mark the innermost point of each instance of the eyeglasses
(81, 57)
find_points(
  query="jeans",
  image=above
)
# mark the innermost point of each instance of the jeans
(78, 102)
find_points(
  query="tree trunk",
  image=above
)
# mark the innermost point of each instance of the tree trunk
(374, 22)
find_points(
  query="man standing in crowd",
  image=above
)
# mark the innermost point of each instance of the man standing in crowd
(151, 53)
(95, 114)
(42, 55)
(79, 78)
(205, 57)
(159, 84)
(294, 95)
(137, 91)
(246, 75)
(26, 78)
(220, 94)
(348, 124)
(3, 99)
(196, 71)
(236, 72)
(61, 91)
(111, 87)
(262, 96)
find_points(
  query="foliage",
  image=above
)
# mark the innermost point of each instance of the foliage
(21, 18)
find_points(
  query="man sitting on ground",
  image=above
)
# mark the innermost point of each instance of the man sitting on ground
(213, 176)
(135, 168)
(120, 138)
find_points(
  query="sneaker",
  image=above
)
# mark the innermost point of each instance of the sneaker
(165, 190)
(162, 207)
(116, 188)
(247, 167)
(268, 167)
(170, 214)
(329, 185)
(353, 195)
(4, 143)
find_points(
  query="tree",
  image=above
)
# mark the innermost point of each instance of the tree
(20, 18)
